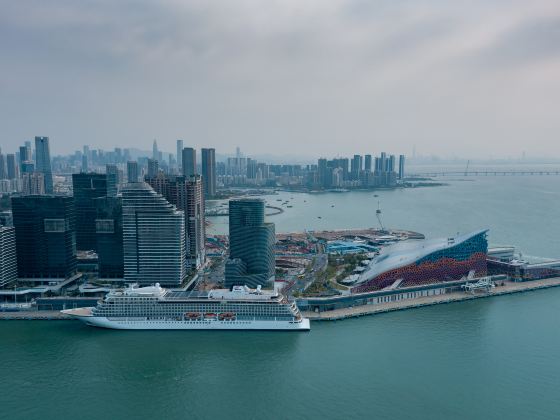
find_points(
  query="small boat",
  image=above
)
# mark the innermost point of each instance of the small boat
(319, 217)
(375, 195)
(332, 205)
(226, 316)
(289, 207)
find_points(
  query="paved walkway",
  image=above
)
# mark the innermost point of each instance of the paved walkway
(362, 310)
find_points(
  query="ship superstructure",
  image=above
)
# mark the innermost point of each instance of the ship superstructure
(157, 308)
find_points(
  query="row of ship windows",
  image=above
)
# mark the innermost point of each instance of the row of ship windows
(175, 313)
(203, 308)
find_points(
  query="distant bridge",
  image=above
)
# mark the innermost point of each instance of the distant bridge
(482, 173)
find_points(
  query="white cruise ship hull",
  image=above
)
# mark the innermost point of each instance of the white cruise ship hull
(213, 324)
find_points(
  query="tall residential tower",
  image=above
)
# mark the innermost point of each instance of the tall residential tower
(209, 172)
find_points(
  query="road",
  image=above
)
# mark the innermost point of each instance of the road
(319, 265)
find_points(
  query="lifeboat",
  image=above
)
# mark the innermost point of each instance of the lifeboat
(226, 316)
(192, 315)
(210, 315)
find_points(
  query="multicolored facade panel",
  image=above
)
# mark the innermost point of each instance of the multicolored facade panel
(451, 260)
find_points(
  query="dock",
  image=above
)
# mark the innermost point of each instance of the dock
(34, 316)
(363, 310)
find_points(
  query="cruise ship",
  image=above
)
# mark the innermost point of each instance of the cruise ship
(156, 308)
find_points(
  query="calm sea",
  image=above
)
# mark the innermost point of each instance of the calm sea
(493, 358)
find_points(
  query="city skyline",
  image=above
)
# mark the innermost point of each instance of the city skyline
(450, 80)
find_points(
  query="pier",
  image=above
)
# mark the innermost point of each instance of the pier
(34, 316)
(363, 310)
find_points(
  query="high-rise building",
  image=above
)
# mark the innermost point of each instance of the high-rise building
(153, 237)
(356, 167)
(189, 161)
(153, 168)
(112, 173)
(8, 259)
(87, 187)
(383, 162)
(209, 172)
(401, 166)
(324, 174)
(180, 155)
(109, 237)
(391, 163)
(24, 157)
(251, 255)
(186, 193)
(367, 166)
(155, 151)
(2, 167)
(43, 162)
(45, 236)
(195, 222)
(85, 163)
(24, 154)
(11, 166)
(33, 183)
(132, 171)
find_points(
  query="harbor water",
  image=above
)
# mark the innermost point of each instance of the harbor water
(490, 358)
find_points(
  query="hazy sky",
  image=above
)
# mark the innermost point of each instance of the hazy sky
(284, 77)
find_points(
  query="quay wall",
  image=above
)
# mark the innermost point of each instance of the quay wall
(450, 297)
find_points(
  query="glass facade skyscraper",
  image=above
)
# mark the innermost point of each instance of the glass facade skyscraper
(109, 237)
(153, 237)
(251, 256)
(189, 161)
(209, 172)
(86, 188)
(43, 162)
(132, 171)
(186, 193)
(45, 236)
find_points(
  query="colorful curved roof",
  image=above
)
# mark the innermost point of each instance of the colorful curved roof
(405, 253)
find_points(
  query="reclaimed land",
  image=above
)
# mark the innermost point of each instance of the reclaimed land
(363, 310)
(357, 311)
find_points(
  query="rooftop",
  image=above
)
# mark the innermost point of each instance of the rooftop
(404, 253)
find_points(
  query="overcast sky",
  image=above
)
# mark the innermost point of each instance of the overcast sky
(306, 78)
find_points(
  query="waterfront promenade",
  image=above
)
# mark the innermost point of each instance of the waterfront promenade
(356, 311)
(363, 310)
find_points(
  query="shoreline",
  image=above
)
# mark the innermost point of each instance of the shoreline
(354, 312)
(366, 310)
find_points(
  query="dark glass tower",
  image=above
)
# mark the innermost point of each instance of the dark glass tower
(251, 254)
(11, 166)
(132, 171)
(45, 236)
(109, 237)
(87, 187)
(189, 161)
(209, 172)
